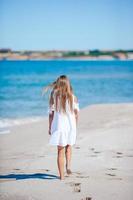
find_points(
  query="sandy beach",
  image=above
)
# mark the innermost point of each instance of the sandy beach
(102, 160)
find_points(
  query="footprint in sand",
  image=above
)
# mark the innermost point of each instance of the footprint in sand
(87, 198)
(117, 156)
(77, 147)
(129, 156)
(97, 152)
(92, 149)
(76, 186)
(110, 174)
(119, 153)
(82, 176)
(47, 170)
(112, 169)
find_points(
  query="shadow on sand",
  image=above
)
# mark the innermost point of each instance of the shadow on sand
(28, 176)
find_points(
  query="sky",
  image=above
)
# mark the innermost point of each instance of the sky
(66, 24)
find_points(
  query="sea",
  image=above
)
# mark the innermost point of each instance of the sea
(93, 82)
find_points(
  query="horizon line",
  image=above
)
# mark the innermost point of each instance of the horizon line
(74, 49)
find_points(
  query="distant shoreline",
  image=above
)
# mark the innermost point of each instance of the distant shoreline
(68, 59)
(8, 54)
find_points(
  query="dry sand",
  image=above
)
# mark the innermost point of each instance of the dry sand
(102, 160)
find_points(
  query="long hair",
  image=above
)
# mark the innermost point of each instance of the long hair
(48, 87)
(63, 92)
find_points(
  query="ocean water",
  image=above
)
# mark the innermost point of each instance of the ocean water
(94, 82)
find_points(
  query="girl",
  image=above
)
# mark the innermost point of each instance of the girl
(63, 117)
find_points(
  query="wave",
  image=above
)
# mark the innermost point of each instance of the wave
(7, 124)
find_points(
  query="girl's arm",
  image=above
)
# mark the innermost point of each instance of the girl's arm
(76, 116)
(76, 109)
(51, 113)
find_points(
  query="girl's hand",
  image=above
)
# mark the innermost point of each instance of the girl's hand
(49, 131)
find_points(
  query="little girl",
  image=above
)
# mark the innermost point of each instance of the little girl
(63, 117)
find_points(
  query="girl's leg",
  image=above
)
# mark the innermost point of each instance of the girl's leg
(60, 161)
(68, 153)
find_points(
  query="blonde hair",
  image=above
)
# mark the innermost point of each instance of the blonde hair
(46, 88)
(62, 90)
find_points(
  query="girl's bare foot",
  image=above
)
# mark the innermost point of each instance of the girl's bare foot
(68, 170)
(62, 178)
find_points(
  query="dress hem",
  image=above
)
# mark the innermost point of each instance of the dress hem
(63, 145)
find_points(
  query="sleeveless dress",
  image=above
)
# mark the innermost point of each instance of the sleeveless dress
(63, 127)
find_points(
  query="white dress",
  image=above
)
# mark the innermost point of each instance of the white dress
(63, 127)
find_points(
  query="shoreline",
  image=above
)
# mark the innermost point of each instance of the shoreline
(7, 123)
(88, 54)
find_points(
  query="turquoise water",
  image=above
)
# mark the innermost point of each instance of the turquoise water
(94, 82)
